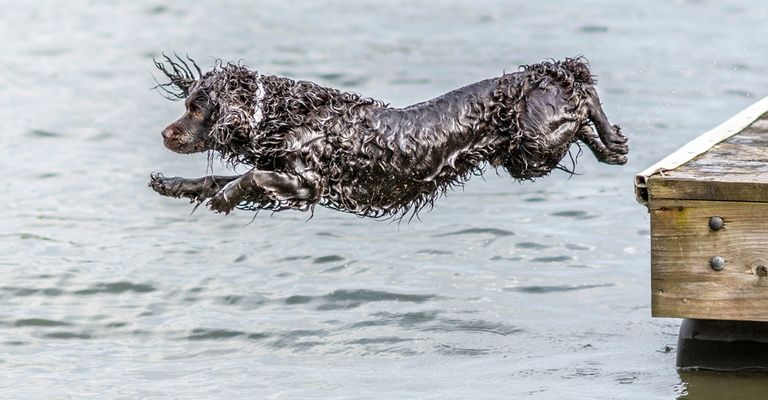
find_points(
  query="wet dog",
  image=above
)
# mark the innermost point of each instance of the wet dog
(306, 144)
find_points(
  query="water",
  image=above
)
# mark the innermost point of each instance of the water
(505, 290)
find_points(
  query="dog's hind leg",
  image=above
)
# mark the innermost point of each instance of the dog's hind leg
(267, 189)
(197, 189)
(609, 134)
(601, 152)
(549, 125)
(546, 112)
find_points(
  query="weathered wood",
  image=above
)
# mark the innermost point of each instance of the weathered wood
(736, 124)
(725, 190)
(721, 173)
(733, 170)
(682, 244)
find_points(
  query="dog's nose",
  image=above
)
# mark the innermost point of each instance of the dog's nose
(167, 133)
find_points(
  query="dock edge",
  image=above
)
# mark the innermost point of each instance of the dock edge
(698, 146)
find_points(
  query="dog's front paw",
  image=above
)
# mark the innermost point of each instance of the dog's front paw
(174, 187)
(165, 186)
(226, 199)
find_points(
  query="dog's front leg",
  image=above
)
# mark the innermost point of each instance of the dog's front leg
(197, 189)
(267, 189)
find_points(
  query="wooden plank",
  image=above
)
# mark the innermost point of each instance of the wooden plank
(728, 188)
(743, 155)
(734, 170)
(702, 144)
(683, 283)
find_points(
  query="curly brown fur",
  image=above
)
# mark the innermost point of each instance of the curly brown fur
(307, 144)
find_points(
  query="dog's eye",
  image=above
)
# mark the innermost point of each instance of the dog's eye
(198, 113)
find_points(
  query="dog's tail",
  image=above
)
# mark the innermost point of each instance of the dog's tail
(579, 68)
(570, 70)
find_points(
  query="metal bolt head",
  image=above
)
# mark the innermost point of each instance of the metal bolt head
(717, 263)
(716, 223)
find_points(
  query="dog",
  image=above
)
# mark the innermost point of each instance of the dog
(306, 144)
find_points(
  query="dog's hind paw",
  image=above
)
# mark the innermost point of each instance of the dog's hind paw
(615, 159)
(617, 142)
(611, 151)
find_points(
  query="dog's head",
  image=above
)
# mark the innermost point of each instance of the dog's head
(223, 107)
(190, 133)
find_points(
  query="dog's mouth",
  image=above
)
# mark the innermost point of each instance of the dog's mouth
(184, 148)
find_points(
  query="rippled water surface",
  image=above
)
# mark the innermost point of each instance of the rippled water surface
(504, 290)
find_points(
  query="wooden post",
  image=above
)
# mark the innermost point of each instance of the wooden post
(709, 242)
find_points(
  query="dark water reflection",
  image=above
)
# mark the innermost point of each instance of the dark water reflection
(703, 385)
(505, 290)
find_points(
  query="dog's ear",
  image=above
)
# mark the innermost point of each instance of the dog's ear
(180, 74)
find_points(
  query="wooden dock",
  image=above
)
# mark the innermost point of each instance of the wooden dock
(709, 206)
(708, 203)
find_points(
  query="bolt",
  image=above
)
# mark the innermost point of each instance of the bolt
(761, 271)
(717, 263)
(716, 223)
